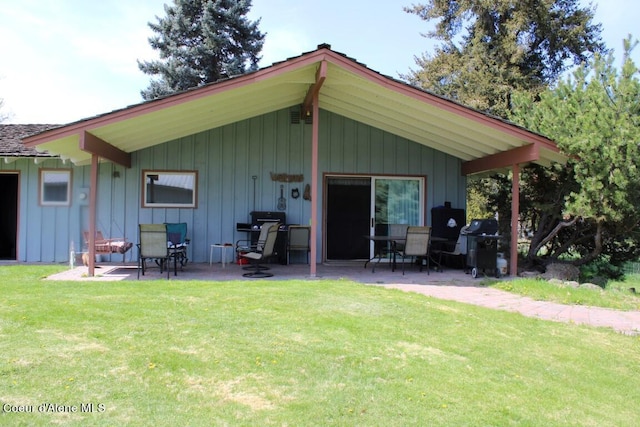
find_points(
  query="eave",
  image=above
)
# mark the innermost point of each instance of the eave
(342, 85)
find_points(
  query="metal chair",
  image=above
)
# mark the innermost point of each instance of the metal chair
(178, 243)
(256, 269)
(416, 245)
(459, 251)
(298, 240)
(248, 245)
(153, 246)
(391, 247)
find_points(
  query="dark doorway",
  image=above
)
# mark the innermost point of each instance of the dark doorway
(8, 215)
(348, 218)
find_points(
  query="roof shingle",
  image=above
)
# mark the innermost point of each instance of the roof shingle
(11, 140)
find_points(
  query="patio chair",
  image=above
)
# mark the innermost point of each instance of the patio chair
(459, 251)
(248, 245)
(255, 258)
(153, 246)
(390, 247)
(178, 243)
(298, 240)
(416, 245)
(393, 247)
(118, 245)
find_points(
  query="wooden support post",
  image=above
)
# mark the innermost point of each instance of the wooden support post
(314, 187)
(515, 218)
(93, 199)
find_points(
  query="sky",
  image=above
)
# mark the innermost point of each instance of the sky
(67, 60)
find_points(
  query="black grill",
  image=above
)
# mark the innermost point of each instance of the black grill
(482, 246)
(258, 218)
(480, 227)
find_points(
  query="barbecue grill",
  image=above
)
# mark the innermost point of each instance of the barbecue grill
(482, 247)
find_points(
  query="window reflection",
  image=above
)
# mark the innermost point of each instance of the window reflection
(169, 189)
(55, 187)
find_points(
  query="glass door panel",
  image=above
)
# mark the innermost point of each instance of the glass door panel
(396, 204)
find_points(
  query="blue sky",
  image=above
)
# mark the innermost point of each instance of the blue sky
(65, 60)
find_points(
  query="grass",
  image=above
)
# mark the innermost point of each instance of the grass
(326, 353)
(616, 295)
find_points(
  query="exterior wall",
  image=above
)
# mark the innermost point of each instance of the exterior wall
(226, 159)
(350, 147)
(44, 232)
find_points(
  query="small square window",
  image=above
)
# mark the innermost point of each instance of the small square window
(55, 187)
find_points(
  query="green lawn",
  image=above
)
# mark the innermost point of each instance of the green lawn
(616, 295)
(248, 353)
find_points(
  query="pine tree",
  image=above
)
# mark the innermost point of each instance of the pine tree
(490, 48)
(595, 117)
(201, 41)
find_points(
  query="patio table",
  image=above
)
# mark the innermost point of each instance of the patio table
(393, 240)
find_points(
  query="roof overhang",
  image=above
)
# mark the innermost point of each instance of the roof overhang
(343, 86)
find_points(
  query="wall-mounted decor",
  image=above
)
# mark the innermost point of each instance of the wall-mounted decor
(307, 192)
(286, 177)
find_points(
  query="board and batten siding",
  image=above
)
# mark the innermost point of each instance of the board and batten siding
(226, 159)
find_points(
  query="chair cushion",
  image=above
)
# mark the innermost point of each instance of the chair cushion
(252, 255)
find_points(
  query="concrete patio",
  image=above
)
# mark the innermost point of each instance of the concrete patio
(348, 270)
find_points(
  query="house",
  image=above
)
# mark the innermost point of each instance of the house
(16, 160)
(342, 146)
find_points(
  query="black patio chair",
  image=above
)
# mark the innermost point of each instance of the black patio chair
(256, 270)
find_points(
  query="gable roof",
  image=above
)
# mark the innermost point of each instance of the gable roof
(11, 140)
(348, 88)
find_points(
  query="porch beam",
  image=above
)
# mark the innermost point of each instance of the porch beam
(314, 89)
(94, 145)
(525, 154)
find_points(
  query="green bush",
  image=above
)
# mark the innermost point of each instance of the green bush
(601, 271)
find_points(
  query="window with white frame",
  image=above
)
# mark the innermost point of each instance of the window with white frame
(55, 187)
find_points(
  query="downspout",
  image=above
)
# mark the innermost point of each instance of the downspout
(515, 216)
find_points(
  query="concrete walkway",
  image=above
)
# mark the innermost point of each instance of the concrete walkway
(626, 322)
(449, 285)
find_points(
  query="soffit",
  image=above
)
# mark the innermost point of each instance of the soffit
(349, 89)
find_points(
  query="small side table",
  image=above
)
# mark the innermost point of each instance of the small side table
(223, 252)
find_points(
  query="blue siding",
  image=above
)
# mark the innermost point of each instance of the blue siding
(226, 158)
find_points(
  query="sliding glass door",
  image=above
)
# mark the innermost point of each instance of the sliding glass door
(397, 201)
(365, 205)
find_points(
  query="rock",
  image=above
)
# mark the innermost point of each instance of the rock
(592, 286)
(561, 271)
(572, 284)
(600, 281)
(529, 274)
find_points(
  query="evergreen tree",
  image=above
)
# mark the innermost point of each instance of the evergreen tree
(3, 117)
(595, 118)
(201, 41)
(490, 48)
